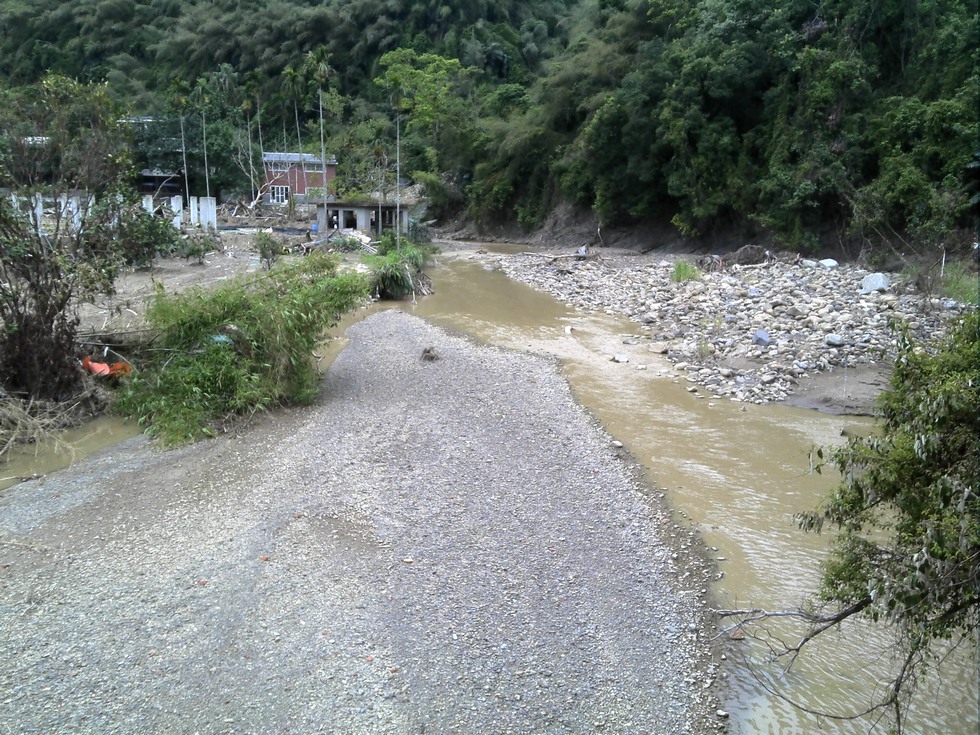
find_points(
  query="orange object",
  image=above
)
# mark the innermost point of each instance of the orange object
(116, 370)
(96, 368)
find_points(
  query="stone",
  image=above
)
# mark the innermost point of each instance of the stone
(874, 282)
(819, 315)
(620, 358)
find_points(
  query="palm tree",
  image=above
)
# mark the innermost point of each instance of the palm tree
(252, 82)
(180, 90)
(294, 85)
(247, 109)
(200, 96)
(317, 63)
(253, 85)
(225, 79)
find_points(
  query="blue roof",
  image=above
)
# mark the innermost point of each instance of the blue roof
(294, 158)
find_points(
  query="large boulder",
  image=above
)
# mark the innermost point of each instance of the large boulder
(875, 282)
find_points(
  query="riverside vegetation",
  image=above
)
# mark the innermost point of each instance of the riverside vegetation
(848, 123)
(851, 125)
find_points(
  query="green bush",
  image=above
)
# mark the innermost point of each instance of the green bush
(237, 349)
(960, 283)
(141, 236)
(268, 248)
(391, 276)
(387, 243)
(395, 273)
(347, 244)
(684, 271)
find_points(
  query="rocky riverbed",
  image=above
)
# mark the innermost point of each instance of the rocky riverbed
(745, 332)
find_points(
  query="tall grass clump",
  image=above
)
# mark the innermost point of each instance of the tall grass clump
(244, 347)
(684, 271)
(960, 283)
(396, 272)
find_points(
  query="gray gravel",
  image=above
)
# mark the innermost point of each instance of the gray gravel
(750, 333)
(448, 546)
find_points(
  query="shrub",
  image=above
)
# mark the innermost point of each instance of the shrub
(237, 349)
(347, 244)
(268, 248)
(391, 276)
(395, 273)
(195, 246)
(684, 271)
(960, 283)
(141, 236)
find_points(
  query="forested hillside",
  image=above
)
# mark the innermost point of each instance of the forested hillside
(846, 121)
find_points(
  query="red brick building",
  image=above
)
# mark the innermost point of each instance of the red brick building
(298, 177)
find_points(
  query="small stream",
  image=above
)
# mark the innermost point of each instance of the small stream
(736, 472)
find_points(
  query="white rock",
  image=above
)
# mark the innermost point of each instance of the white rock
(874, 282)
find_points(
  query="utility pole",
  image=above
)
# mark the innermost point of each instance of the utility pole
(183, 153)
(398, 181)
(207, 178)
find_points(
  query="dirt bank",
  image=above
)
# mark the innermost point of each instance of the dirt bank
(437, 546)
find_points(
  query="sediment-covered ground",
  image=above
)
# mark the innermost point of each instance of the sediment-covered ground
(446, 545)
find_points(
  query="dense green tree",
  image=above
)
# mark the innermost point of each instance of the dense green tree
(850, 122)
(906, 552)
(424, 91)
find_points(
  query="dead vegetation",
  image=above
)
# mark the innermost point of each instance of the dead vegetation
(33, 421)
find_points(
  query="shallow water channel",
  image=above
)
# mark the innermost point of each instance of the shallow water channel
(735, 472)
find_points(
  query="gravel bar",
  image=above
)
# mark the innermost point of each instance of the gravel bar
(447, 545)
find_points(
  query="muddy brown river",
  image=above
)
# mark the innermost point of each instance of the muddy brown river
(735, 472)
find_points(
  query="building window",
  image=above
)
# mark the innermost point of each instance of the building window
(279, 194)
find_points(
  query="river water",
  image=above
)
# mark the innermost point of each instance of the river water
(735, 472)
